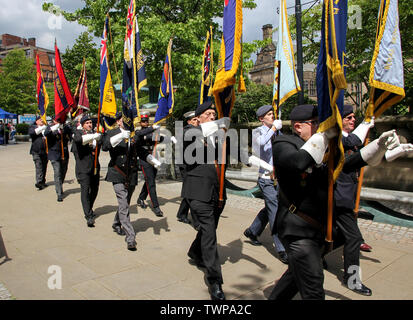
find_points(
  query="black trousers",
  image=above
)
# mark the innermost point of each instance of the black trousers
(149, 187)
(304, 273)
(89, 187)
(348, 234)
(204, 247)
(184, 207)
(40, 163)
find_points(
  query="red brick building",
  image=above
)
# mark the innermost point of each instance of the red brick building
(10, 42)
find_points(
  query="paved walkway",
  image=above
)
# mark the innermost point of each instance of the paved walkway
(39, 234)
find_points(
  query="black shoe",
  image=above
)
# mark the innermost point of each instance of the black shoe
(253, 238)
(357, 287)
(43, 184)
(59, 198)
(282, 255)
(39, 186)
(118, 230)
(194, 260)
(215, 290)
(132, 246)
(142, 204)
(158, 212)
(184, 220)
(91, 223)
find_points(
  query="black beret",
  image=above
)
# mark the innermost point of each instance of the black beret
(303, 112)
(263, 110)
(37, 118)
(85, 118)
(118, 115)
(347, 109)
(189, 115)
(203, 107)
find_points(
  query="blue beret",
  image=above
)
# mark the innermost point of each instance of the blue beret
(347, 109)
(303, 112)
(118, 115)
(203, 107)
(263, 110)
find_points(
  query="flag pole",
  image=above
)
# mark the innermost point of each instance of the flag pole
(97, 131)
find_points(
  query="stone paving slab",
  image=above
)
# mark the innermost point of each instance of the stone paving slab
(39, 232)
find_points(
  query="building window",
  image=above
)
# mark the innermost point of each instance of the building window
(313, 89)
(306, 86)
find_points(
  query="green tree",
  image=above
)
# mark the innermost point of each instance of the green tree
(361, 36)
(185, 21)
(72, 61)
(18, 83)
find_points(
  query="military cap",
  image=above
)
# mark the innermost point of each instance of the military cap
(203, 107)
(262, 111)
(189, 115)
(85, 118)
(37, 118)
(347, 109)
(118, 115)
(145, 116)
(303, 112)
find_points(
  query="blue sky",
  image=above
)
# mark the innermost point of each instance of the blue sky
(25, 18)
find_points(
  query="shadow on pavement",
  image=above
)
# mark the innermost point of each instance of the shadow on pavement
(143, 224)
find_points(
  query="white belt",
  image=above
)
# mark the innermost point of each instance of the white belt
(265, 175)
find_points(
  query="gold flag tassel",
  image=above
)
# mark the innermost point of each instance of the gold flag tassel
(241, 82)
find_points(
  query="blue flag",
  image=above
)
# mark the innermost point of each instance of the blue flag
(230, 55)
(386, 70)
(166, 93)
(331, 70)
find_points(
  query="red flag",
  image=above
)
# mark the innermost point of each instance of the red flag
(63, 98)
(81, 94)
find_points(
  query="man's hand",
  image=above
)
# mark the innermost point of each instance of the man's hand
(278, 124)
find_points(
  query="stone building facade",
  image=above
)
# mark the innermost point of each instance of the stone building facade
(263, 73)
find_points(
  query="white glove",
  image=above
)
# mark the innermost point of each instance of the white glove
(94, 144)
(373, 153)
(278, 124)
(363, 128)
(156, 126)
(209, 128)
(405, 148)
(61, 126)
(223, 123)
(115, 140)
(97, 136)
(173, 139)
(260, 163)
(55, 127)
(393, 141)
(125, 134)
(40, 129)
(86, 138)
(153, 161)
(317, 145)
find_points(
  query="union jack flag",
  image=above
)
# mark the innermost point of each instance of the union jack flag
(128, 47)
(103, 46)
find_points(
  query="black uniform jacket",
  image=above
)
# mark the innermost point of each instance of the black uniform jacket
(38, 143)
(145, 138)
(346, 184)
(123, 165)
(54, 142)
(304, 185)
(84, 154)
(202, 180)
